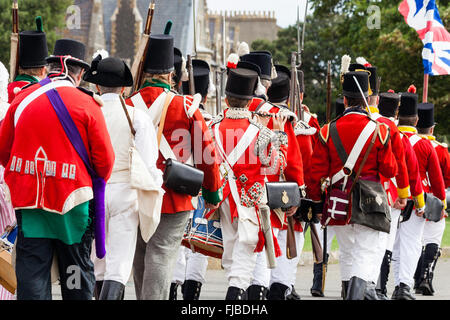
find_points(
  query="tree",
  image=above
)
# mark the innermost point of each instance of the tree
(52, 12)
(338, 27)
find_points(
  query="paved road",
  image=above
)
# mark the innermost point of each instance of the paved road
(216, 286)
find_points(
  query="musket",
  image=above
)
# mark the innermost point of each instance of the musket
(301, 43)
(329, 92)
(14, 56)
(190, 70)
(137, 69)
(293, 84)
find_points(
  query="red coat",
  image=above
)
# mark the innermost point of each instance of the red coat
(43, 170)
(444, 158)
(429, 168)
(401, 186)
(326, 162)
(185, 135)
(311, 119)
(294, 168)
(14, 88)
(415, 182)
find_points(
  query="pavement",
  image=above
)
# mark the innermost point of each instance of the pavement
(216, 285)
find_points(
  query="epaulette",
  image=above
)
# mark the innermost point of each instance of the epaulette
(324, 133)
(313, 114)
(95, 96)
(216, 119)
(384, 136)
(304, 129)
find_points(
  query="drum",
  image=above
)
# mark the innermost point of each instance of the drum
(202, 235)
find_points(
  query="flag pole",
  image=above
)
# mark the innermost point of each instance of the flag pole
(425, 88)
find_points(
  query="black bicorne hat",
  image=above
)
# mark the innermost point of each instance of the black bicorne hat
(109, 72)
(388, 105)
(74, 50)
(350, 88)
(263, 59)
(241, 83)
(280, 88)
(408, 104)
(160, 54)
(339, 107)
(425, 111)
(201, 78)
(177, 63)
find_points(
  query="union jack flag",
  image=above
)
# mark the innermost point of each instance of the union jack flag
(423, 16)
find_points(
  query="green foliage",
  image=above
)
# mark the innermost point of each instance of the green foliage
(338, 27)
(53, 14)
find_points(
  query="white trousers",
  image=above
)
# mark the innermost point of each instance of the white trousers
(395, 216)
(238, 258)
(122, 221)
(286, 270)
(433, 232)
(407, 249)
(190, 266)
(357, 250)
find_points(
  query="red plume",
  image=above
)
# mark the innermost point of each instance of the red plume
(412, 89)
(391, 91)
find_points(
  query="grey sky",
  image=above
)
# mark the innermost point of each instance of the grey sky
(285, 10)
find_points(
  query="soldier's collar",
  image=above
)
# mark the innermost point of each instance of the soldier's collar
(431, 137)
(358, 109)
(407, 129)
(374, 109)
(238, 113)
(156, 83)
(26, 77)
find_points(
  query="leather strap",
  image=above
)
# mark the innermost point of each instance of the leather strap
(122, 101)
(338, 143)
(163, 116)
(363, 162)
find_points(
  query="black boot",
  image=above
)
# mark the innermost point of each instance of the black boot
(370, 293)
(430, 257)
(344, 289)
(191, 290)
(356, 289)
(381, 289)
(316, 289)
(235, 293)
(404, 292)
(255, 292)
(173, 291)
(112, 290)
(418, 275)
(97, 289)
(277, 291)
(293, 295)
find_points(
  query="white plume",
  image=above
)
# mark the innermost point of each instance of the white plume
(361, 60)
(102, 52)
(4, 80)
(260, 89)
(345, 63)
(232, 59)
(243, 49)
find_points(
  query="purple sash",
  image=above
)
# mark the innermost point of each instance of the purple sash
(98, 183)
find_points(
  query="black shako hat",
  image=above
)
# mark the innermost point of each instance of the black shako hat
(388, 104)
(408, 104)
(356, 66)
(350, 88)
(339, 107)
(241, 83)
(73, 50)
(263, 60)
(160, 54)
(201, 77)
(109, 72)
(33, 47)
(250, 66)
(425, 111)
(178, 64)
(373, 79)
(280, 88)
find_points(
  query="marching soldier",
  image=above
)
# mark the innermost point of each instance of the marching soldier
(180, 73)
(242, 141)
(388, 108)
(282, 277)
(408, 242)
(111, 76)
(154, 260)
(433, 231)
(348, 139)
(49, 182)
(32, 64)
